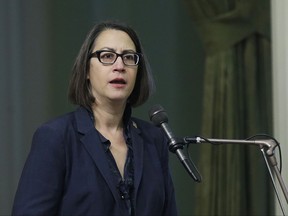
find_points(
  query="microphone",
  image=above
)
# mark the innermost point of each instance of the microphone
(159, 117)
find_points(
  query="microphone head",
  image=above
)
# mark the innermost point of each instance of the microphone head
(158, 115)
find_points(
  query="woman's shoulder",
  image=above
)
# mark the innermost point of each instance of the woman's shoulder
(56, 131)
(64, 123)
(59, 122)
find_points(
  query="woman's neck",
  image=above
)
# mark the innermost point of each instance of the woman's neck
(108, 117)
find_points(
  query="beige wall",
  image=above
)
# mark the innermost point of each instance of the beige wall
(280, 87)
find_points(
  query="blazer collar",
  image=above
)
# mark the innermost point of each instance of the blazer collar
(91, 141)
(84, 120)
(138, 150)
(93, 145)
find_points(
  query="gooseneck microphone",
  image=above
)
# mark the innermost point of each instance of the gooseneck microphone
(159, 117)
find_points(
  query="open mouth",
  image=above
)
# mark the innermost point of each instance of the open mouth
(118, 81)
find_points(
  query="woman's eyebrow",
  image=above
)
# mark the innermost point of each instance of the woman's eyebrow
(112, 49)
(108, 48)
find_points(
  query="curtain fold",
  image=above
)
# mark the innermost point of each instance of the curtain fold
(236, 105)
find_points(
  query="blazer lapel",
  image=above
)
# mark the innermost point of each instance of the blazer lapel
(138, 146)
(93, 145)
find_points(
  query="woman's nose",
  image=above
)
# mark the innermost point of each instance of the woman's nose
(119, 64)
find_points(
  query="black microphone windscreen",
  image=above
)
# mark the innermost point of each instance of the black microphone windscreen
(158, 115)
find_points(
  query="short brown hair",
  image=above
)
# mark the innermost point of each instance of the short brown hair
(79, 91)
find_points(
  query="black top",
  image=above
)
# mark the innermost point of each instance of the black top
(124, 185)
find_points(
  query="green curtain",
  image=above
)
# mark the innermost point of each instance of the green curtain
(237, 104)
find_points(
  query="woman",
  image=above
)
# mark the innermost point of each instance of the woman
(98, 160)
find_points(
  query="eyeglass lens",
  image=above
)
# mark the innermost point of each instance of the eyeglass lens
(107, 57)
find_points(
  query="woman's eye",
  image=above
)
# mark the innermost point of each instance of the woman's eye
(129, 57)
(107, 56)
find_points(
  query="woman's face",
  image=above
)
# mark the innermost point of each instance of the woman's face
(115, 82)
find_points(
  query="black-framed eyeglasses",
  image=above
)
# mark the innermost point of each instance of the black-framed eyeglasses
(108, 57)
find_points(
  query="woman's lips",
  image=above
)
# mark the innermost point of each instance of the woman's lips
(118, 82)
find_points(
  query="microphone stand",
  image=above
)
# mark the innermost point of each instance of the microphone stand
(268, 144)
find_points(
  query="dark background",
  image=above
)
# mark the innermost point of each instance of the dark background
(39, 41)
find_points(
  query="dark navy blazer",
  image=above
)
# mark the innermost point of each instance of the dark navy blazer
(67, 173)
